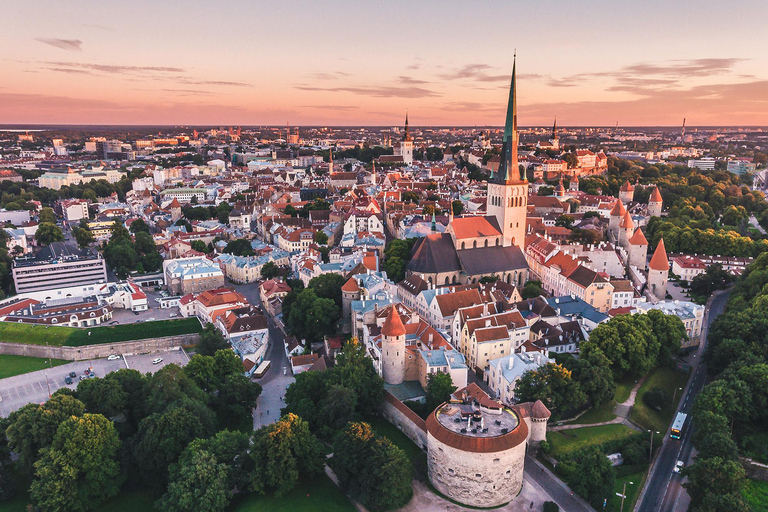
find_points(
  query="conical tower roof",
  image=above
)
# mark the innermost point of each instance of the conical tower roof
(509, 168)
(655, 196)
(626, 222)
(659, 260)
(618, 209)
(638, 238)
(393, 325)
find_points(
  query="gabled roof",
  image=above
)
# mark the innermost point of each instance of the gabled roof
(434, 254)
(475, 227)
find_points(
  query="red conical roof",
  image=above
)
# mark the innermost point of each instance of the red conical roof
(626, 222)
(174, 204)
(540, 411)
(659, 260)
(655, 196)
(350, 286)
(618, 209)
(627, 187)
(638, 238)
(393, 325)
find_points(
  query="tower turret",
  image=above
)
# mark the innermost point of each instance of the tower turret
(658, 272)
(655, 203)
(393, 348)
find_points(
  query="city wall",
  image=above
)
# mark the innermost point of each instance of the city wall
(100, 351)
(754, 469)
(397, 413)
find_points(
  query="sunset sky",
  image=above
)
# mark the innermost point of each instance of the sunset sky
(247, 62)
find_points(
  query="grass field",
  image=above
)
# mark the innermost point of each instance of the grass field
(566, 441)
(20, 502)
(756, 494)
(129, 501)
(667, 379)
(318, 495)
(34, 334)
(604, 412)
(634, 484)
(72, 337)
(624, 388)
(17, 365)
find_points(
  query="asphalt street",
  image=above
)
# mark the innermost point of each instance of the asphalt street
(664, 491)
(558, 491)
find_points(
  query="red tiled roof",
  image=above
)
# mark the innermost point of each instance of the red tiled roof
(659, 260)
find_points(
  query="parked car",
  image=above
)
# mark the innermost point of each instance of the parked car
(72, 375)
(157, 360)
(113, 357)
(151, 319)
(68, 379)
(679, 466)
(172, 315)
(136, 313)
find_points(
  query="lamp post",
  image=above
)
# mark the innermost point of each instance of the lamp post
(624, 494)
(650, 454)
(674, 395)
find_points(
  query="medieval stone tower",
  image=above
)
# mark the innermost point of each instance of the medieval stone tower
(616, 216)
(658, 272)
(349, 292)
(638, 250)
(393, 349)
(627, 192)
(508, 188)
(655, 203)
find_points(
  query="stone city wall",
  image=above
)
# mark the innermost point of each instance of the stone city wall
(398, 414)
(100, 351)
(755, 470)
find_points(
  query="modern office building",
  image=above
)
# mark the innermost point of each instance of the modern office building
(58, 266)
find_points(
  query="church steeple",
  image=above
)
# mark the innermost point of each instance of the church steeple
(406, 133)
(554, 130)
(509, 168)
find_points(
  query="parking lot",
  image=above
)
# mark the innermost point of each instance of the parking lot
(126, 316)
(33, 387)
(143, 362)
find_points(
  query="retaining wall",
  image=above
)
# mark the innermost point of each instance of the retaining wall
(754, 469)
(99, 351)
(397, 413)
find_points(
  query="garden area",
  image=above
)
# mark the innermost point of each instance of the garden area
(663, 382)
(77, 337)
(17, 365)
(416, 455)
(317, 495)
(756, 494)
(567, 441)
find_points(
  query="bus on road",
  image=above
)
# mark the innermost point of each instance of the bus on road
(262, 369)
(678, 425)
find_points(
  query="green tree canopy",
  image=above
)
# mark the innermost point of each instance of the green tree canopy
(47, 233)
(239, 247)
(197, 483)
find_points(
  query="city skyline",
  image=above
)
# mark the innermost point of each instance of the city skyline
(595, 64)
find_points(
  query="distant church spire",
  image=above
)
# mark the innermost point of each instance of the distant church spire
(509, 170)
(406, 134)
(554, 130)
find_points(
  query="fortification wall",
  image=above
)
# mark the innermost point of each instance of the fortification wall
(397, 413)
(100, 351)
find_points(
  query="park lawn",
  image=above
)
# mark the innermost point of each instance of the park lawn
(34, 334)
(77, 337)
(129, 332)
(633, 491)
(756, 494)
(599, 414)
(667, 379)
(624, 388)
(129, 501)
(318, 495)
(566, 441)
(416, 455)
(17, 365)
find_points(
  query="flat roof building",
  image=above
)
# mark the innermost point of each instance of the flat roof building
(58, 266)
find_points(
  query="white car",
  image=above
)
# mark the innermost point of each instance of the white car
(172, 315)
(151, 319)
(113, 357)
(679, 466)
(157, 360)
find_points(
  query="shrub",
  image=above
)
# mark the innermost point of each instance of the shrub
(656, 398)
(550, 506)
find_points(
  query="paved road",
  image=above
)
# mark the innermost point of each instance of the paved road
(664, 491)
(560, 493)
(33, 387)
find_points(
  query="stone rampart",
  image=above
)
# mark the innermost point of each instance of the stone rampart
(398, 414)
(99, 351)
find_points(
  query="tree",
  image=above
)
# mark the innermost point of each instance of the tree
(571, 160)
(592, 476)
(565, 221)
(595, 377)
(46, 215)
(290, 210)
(211, 341)
(532, 289)
(231, 449)
(269, 270)
(83, 236)
(80, 469)
(457, 207)
(102, 396)
(713, 476)
(372, 469)
(47, 233)
(328, 286)
(439, 389)
(239, 247)
(236, 398)
(139, 226)
(337, 408)
(550, 506)
(311, 317)
(321, 238)
(281, 453)
(553, 385)
(197, 483)
(33, 427)
(199, 246)
(489, 279)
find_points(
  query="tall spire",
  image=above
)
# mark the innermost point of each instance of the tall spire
(508, 167)
(554, 130)
(406, 134)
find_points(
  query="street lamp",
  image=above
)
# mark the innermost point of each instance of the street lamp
(650, 454)
(624, 494)
(674, 395)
